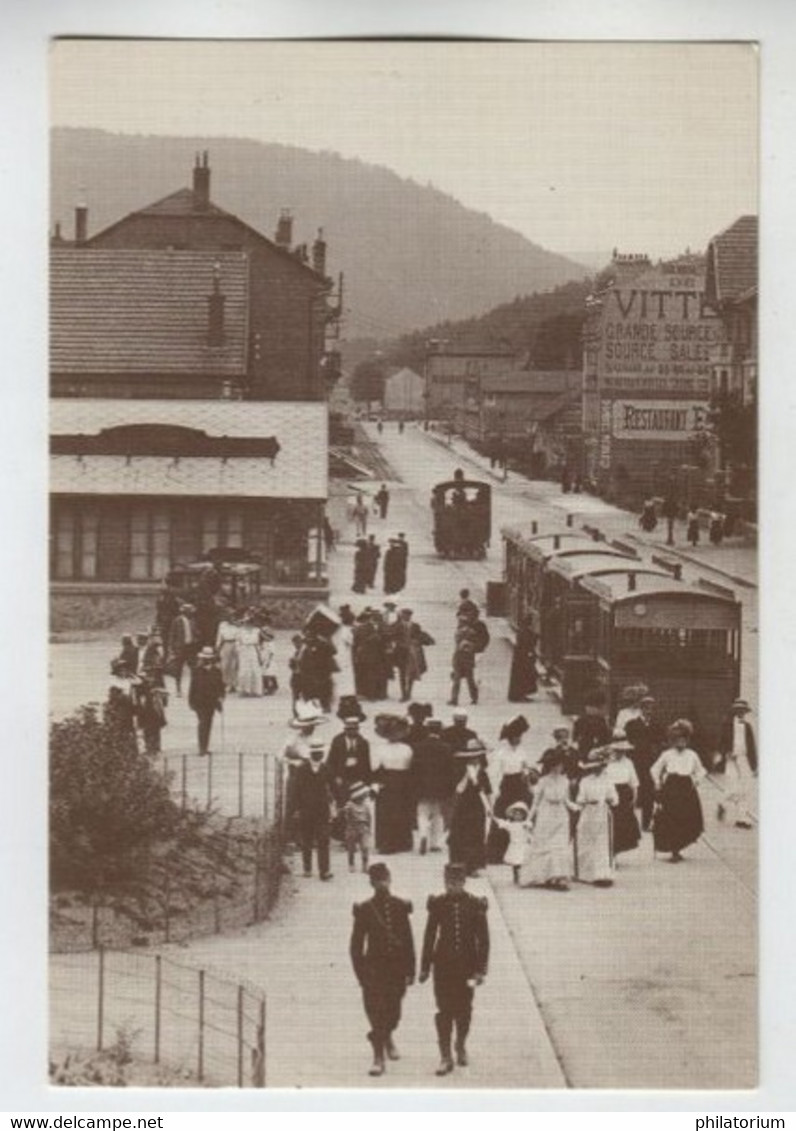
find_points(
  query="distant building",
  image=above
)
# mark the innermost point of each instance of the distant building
(534, 416)
(731, 290)
(453, 375)
(649, 337)
(404, 393)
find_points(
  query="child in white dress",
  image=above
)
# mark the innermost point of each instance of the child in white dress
(516, 825)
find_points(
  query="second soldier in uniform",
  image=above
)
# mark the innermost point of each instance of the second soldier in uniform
(383, 957)
(456, 947)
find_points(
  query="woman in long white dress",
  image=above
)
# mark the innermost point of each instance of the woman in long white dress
(250, 667)
(594, 858)
(227, 648)
(549, 858)
(344, 643)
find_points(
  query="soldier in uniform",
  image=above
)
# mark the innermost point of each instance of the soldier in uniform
(456, 945)
(383, 956)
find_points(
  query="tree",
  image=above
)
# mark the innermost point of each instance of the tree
(367, 381)
(117, 839)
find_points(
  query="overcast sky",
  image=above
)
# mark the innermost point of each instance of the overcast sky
(579, 146)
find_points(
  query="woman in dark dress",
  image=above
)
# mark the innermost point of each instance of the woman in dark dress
(391, 762)
(369, 649)
(591, 728)
(622, 774)
(678, 821)
(522, 680)
(471, 809)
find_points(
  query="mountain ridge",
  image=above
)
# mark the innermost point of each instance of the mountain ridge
(412, 254)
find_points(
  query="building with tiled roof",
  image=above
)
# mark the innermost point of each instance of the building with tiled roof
(289, 293)
(147, 322)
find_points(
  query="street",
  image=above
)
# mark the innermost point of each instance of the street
(651, 984)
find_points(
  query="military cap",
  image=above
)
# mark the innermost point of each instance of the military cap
(378, 872)
(455, 872)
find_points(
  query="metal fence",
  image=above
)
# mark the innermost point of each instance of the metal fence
(187, 1019)
(245, 783)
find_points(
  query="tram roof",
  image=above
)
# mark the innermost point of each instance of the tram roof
(576, 567)
(615, 587)
(544, 546)
(449, 483)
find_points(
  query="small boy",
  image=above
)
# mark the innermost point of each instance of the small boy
(358, 824)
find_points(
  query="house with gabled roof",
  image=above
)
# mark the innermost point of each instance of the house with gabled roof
(731, 290)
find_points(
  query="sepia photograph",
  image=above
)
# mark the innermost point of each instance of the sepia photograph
(403, 695)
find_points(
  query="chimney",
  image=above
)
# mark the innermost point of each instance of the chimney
(201, 182)
(319, 254)
(81, 224)
(284, 229)
(57, 237)
(215, 310)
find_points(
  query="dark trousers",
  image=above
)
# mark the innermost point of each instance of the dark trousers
(646, 787)
(315, 834)
(205, 725)
(405, 681)
(382, 995)
(469, 678)
(454, 1004)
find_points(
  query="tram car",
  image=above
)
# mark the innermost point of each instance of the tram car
(604, 620)
(462, 517)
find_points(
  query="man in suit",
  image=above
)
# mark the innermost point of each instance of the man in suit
(738, 754)
(648, 739)
(383, 956)
(206, 695)
(349, 756)
(313, 803)
(182, 643)
(456, 948)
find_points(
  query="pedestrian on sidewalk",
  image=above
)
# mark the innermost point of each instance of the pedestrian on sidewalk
(182, 646)
(622, 774)
(515, 826)
(471, 810)
(372, 555)
(456, 949)
(692, 527)
(391, 761)
(359, 514)
(409, 657)
(361, 566)
(591, 728)
(548, 862)
(349, 752)
(670, 510)
(467, 606)
(463, 664)
(206, 695)
(649, 518)
(358, 824)
(738, 758)
(433, 779)
(647, 738)
(596, 798)
(522, 680)
(382, 953)
(382, 499)
(678, 819)
(313, 809)
(394, 567)
(716, 528)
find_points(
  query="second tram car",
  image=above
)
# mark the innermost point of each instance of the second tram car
(462, 515)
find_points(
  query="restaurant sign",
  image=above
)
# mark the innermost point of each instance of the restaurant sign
(657, 420)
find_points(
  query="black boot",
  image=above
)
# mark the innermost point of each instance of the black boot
(462, 1029)
(377, 1068)
(444, 1031)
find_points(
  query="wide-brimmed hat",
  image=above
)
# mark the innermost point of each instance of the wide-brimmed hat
(474, 749)
(681, 728)
(516, 807)
(515, 726)
(392, 727)
(619, 741)
(741, 705)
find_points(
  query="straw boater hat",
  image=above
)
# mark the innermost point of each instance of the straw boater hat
(517, 807)
(358, 790)
(308, 713)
